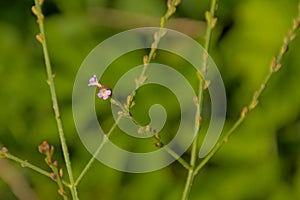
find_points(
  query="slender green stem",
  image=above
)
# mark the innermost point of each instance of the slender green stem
(210, 18)
(130, 100)
(218, 145)
(190, 176)
(173, 153)
(42, 39)
(188, 185)
(197, 124)
(92, 160)
(157, 138)
(140, 81)
(59, 182)
(275, 66)
(25, 163)
(171, 4)
(211, 22)
(56, 173)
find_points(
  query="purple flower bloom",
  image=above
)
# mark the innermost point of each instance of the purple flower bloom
(104, 93)
(94, 82)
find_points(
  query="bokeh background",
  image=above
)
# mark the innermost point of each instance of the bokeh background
(262, 159)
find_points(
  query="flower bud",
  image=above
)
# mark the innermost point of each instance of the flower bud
(44, 147)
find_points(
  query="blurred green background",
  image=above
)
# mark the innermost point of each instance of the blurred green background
(262, 159)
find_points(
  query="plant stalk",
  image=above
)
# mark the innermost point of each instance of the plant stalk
(42, 39)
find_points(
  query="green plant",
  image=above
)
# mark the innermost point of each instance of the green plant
(193, 166)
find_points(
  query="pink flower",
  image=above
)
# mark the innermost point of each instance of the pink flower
(94, 82)
(104, 93)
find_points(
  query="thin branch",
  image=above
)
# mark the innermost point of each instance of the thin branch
(171, 4)
(276, 65)
(130, 100)
(211, 22)
(24, 163)
(92, 160)
(37, 10)
(170, 151)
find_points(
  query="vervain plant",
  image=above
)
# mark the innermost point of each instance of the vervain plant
(194, 164)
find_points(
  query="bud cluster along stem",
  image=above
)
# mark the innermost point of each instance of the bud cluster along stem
(159, 144)
(4, 153)
(171, 9)
(276, 64)
(57, 173)
(150, 131)
(211, 22)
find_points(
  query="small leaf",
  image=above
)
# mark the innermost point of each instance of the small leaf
(162, 21)
(40, 38)
(34, 10)
(145, 60)
(214, 22)
(208, 16)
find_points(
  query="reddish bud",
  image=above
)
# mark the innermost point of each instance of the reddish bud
(146, 59)
(55, 164)
(53, 176)
(44, 147)
(4, 150)
(61, 192)
(158, 144)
